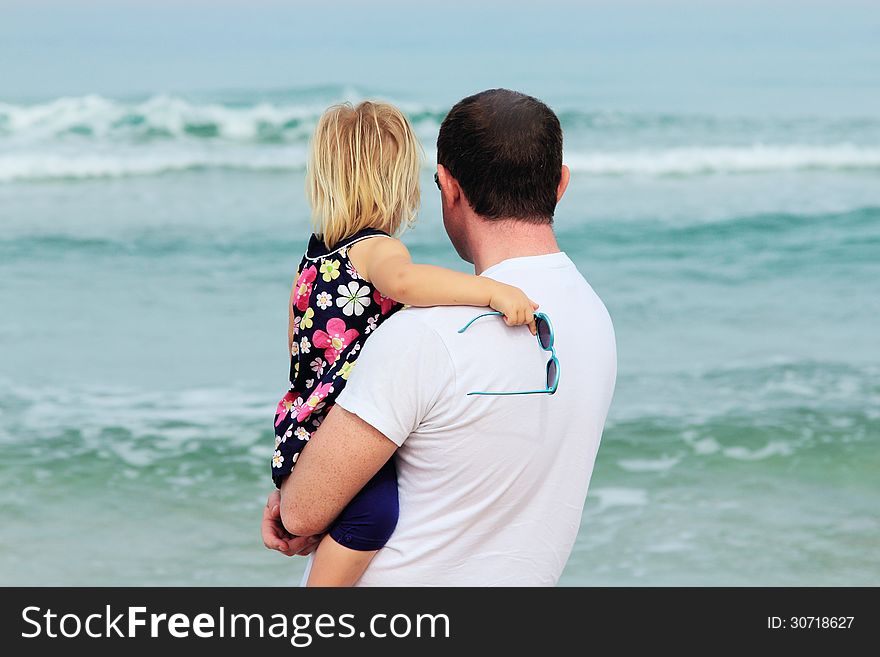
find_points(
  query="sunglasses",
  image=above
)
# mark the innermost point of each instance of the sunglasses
(545, 337)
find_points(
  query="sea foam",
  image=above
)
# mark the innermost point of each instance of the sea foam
(146, 160)
(96, 137)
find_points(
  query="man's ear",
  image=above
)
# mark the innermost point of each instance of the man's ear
(563, 183)
(449, 187)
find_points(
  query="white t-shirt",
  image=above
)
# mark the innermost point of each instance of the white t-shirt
(491, 488)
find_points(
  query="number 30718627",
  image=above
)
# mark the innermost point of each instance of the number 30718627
(810, 622)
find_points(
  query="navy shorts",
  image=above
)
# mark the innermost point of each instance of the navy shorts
(370, 518)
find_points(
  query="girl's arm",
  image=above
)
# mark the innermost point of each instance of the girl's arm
(386, 263)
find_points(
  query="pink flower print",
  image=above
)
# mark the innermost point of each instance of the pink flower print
(334, 340)
(289, 402)
(304, 287)
(385, 303)
(314, 401)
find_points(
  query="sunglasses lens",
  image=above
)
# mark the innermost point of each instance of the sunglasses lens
(543, 332)
(552, 374)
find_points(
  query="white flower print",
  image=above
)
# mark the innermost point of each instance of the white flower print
(324, 300)
(296, 321)
(277, 459)
(356, 348)
(318, 366)
(294, 348)
(297, 404)
(353, 298)
(349, 268)
(305, 346)
(295, 457)
(310, 383)
(287, 434)
(302, 434)
(277, 441)
(372, 323)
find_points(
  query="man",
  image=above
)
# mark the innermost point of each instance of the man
(491, 487)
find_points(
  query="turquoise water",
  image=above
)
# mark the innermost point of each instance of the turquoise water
(725, 203)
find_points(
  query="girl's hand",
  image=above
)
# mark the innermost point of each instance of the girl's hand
(513, 303)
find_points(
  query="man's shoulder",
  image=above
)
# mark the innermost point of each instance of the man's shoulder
(439, 320)
(428, 334)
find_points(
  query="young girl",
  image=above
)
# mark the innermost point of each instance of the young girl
(363, 184)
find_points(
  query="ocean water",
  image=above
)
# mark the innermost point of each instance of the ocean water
(149, 231)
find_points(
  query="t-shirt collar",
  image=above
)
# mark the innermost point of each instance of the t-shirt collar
(544, 261)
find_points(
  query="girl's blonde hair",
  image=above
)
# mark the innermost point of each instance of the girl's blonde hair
(363, 171)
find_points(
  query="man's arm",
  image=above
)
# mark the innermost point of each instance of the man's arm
(339, 459)
(401, 372)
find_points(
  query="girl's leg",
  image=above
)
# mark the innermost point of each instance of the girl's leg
(363, 527)
(335, 565)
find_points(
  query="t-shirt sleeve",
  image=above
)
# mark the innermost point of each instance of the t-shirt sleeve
(401, 373)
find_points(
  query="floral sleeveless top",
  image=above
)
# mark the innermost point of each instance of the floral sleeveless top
(334, 311)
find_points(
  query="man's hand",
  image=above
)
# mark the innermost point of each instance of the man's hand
(275, 537)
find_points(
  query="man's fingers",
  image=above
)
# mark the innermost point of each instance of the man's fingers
(271, 539)
(272, 508)
(297, 544)
(311, 546)
(535, 306)
(274, 535)
(288, 552)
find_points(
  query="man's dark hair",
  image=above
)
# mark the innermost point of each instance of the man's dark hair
(505, 150)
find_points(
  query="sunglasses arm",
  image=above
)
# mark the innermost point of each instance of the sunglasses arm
(467, 326)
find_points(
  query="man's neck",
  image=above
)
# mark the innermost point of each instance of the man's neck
(497, 240)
